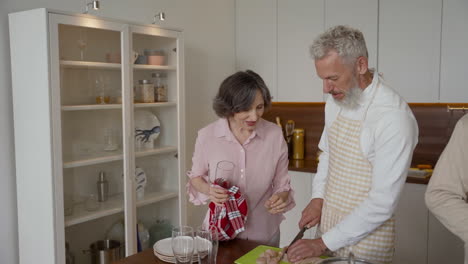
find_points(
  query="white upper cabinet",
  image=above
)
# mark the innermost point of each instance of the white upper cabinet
(360, 14)
(454, 72)
(256, 39)
(299, 23)
(409, 47)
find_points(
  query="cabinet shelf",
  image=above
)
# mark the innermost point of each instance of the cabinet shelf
(90, 65)
(114, 205)
(104, 157)
(111, 66)
(153, 67)
(113, 106)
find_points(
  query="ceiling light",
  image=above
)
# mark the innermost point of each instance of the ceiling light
(94, 5)
(159, 16)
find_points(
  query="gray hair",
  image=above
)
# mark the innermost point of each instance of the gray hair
(348, 42)
(237, 93)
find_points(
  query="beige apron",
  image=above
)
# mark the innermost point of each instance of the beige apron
(348, 184)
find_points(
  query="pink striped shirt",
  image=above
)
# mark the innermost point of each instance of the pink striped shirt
(261, 171)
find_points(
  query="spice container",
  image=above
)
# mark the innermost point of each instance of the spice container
(146, 91)
(102, 187)
(298, 143)
(160, 89)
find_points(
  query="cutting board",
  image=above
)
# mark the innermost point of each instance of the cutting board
(252, 255)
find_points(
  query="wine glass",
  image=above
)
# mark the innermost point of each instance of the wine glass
(182, 244)
(82, 43)
(225, 170)
(206, 243)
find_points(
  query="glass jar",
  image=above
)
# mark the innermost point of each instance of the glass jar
(298, 143)
(146, 91)
(160, 89)
(69, 257)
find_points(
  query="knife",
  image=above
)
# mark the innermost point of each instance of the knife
(296, 238)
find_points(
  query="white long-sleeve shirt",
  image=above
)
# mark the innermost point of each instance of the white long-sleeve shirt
(388, 138)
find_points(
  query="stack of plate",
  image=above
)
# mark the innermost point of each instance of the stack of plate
(163, 250)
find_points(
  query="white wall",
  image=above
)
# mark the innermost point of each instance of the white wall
(210, 57)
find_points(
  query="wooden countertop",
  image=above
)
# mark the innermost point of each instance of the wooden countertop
(228, 252)
(309, 165)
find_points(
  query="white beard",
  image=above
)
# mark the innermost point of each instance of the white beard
(351, 99)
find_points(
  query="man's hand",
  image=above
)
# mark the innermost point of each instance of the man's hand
(218, 195)
(277, 202)
(312, 213)
(306, 248)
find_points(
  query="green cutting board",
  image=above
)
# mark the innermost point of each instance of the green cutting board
(252, 256)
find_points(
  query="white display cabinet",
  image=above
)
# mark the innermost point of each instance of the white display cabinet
(77, 113)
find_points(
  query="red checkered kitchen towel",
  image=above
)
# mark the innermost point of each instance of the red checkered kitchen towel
(229, 218)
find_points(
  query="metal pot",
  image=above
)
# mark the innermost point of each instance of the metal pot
(343, 260)
(104, 251)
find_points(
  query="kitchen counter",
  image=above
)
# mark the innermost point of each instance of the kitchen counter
(310, 165)
(228, 252)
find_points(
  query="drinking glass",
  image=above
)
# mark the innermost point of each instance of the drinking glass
(82, 43)
(225, 170)
(206, 241)
(214, 244)
(182, 244)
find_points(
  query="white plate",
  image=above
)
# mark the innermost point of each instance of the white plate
(147, 128)
(164, 247)
(163, 250)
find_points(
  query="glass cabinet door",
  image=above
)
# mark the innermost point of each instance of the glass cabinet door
(156, 114)
(87, 79)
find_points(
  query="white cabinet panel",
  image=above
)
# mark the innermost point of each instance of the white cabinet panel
(256, 39)
(454, 73)
(411, 226)
(360, 14)
(409, 47)
(299, 23)
(301, 182)
(443, 246)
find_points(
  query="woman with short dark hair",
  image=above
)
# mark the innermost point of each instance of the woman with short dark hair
(257, 149)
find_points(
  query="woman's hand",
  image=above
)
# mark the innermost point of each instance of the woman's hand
(312, 213)
(218, 194)
(277, 202)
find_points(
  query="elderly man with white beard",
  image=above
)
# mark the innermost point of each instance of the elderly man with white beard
(366, 149)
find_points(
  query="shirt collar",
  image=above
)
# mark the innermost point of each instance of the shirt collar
(222, 129)
(366, 95)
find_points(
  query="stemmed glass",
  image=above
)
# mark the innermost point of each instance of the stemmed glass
(82, 43)
(182, 244)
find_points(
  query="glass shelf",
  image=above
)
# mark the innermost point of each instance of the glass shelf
(114, 205)
(104, 157)
(114, 106)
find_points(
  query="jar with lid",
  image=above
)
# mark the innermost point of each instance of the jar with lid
(146, 91)
(298, 143)
(160, 89)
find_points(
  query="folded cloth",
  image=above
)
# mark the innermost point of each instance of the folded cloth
(229, 218)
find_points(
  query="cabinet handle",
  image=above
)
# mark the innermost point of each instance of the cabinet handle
(176, 155)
